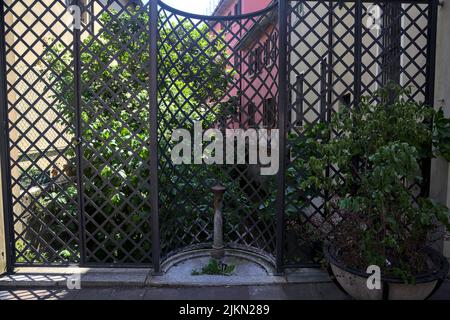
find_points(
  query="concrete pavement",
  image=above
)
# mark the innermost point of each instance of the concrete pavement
(305, 291)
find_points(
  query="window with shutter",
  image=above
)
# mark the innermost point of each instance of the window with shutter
(269, 118)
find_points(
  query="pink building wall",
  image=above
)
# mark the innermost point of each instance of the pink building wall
(257, 89)
(248, 6)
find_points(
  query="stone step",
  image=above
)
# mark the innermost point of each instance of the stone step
(64, 277)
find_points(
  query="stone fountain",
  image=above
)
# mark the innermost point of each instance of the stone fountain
(250, 265)
(218, 248)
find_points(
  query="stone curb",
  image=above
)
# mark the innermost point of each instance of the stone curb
(140, 278)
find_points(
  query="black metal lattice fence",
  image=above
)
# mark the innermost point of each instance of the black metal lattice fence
(339, 51)
(88, 115)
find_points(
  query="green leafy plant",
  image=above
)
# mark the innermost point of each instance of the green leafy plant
(27, 254)
(54, 214)
(442, 135)
(378, 150)
(215, 267)
(193, 79)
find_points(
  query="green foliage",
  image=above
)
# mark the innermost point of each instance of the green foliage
(27, 254)
(442, 135)
(215, 267)
(378, 150)
(56, 214)
(115, 118)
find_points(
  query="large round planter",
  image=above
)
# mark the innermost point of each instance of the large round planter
(354, 282)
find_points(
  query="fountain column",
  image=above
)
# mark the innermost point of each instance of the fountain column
(218, 251)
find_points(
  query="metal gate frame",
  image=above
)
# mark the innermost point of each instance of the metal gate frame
(283, 109)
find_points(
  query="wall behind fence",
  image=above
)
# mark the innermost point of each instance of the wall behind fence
(440, 171)
(3, 253)
(2, 235)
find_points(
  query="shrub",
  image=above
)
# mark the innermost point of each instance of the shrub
(378, 150)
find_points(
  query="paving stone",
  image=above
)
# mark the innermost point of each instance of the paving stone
(267, 293)
(195, 293)
(318, 291)
(212, 281)
(7, 295)
(32, 280)
(128, 294)
(72, 295)
(94, 294)
(307, 275)
(329, 291)
(89, 278)
(33, 294)
(443, 293)
(230, 293)
(162, 294)
(215, 293)
(98, 279)
(305, 291)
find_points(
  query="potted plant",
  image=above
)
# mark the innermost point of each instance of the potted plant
(368, 160)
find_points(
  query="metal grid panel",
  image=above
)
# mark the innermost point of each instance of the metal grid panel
(221, 50)
(340, 51)
(44, 192)
(80, 120)
(115, 130)
(63, 147)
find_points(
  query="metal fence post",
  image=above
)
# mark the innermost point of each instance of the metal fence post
(430, 81)
(324, 85)
(358, 53)
(282, 110)
(5, 151)
(154, 193)
(431, 54)
(78, 141)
